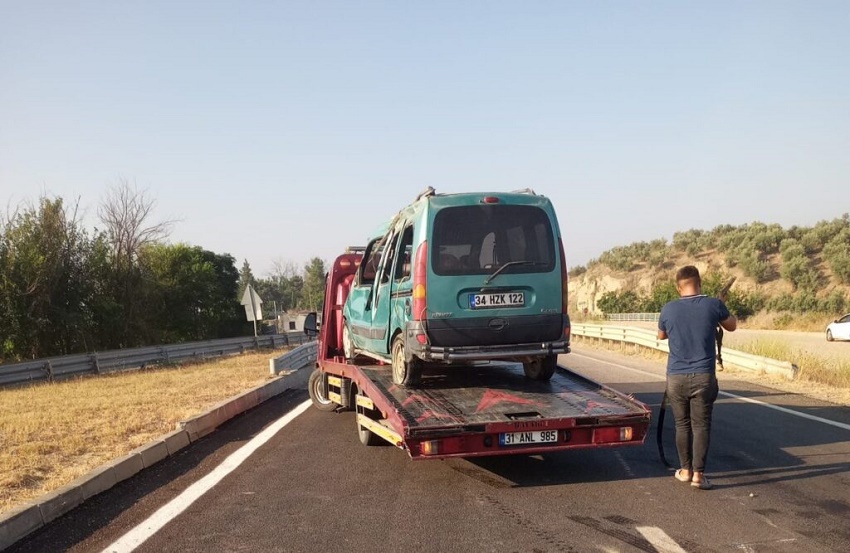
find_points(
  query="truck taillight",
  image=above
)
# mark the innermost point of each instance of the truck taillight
(431, 447)
(612, 434)
(420, 285)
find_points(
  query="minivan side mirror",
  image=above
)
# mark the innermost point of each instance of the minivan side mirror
(311, 327)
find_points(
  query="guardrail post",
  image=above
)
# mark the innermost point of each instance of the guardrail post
(49, 368)
(95, 364)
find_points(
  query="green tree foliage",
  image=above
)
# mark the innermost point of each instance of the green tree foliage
(836, 252)
(65, 291)
(692, 241)
(246, 277)
(313, 292)
(46, 289)
(625, 258)
(797, 267)
(192, 291)
(577, 271)
(627, 301)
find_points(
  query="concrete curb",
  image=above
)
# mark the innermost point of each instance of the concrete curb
(30, 516)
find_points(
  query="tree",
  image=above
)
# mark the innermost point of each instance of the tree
(194, 292)
(246, 277)
(46, 289)
(126, 214)
(313, 294)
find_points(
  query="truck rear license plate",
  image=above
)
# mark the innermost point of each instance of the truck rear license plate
(501, 299)
(532, 437)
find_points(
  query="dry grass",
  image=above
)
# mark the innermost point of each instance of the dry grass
(800, 322)
(813, 368)
(51, 434)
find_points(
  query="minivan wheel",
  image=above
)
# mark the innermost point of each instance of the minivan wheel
(540, 368)
(829, 337)
(347, 348)
(405, 373)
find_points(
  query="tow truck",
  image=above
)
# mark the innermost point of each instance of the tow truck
(479, 409)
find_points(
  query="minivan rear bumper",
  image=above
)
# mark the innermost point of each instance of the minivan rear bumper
(448, 354)
(478, 353)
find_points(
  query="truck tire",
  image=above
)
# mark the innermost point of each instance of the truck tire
(405, 373)
(347, 347)
(367, 437)
(316, 389)
(540, 368)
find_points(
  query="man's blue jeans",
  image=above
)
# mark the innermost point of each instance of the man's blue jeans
(691, 398)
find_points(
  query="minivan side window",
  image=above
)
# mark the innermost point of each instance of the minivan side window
(405, 253)
(369, 265)
(386, 267)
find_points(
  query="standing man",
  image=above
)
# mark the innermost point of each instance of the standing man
(690, 322)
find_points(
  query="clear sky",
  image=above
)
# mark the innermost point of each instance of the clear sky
(280, 131)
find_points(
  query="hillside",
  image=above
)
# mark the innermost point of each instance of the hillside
(794, 270)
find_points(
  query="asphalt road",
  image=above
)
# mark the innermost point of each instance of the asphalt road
(782, 484)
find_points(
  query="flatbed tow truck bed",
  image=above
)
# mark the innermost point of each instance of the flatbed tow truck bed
(485, 409)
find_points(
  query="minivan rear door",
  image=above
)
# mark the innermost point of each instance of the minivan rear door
(496, 275)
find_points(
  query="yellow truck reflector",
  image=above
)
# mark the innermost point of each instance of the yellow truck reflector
(379, 430)
(365, 402)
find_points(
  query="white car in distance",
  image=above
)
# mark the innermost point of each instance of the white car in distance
(839, 329)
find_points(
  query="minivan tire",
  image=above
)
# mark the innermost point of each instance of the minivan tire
(405, 373)
(347, 347)
(541, 368)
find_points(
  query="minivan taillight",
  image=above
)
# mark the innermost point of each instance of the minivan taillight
(420, 284)
(565, 286)
(565, 279)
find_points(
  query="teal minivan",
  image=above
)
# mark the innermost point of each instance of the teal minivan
(456, 278)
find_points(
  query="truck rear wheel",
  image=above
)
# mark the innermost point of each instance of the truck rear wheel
(316, 388)
(405, 373)
(367, 437)
(540, 368)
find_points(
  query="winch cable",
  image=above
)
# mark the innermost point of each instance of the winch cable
(662, 410)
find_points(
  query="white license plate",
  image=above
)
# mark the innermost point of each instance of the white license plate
(531, 437)
(501, 299)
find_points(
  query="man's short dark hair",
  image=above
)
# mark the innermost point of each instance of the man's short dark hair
(688, 272)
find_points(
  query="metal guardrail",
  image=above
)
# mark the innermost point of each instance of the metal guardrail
(298, 358)
(68, 366)
(648, 339)
(633, 316)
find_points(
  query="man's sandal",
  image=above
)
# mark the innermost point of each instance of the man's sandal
(680, 476)
(704, 484)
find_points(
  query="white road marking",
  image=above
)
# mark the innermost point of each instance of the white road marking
(135, 537)
(836, 424)
(659, 539)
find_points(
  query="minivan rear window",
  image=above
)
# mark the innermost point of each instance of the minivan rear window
(478, 239)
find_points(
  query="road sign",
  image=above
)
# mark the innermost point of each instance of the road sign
(253, 306)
